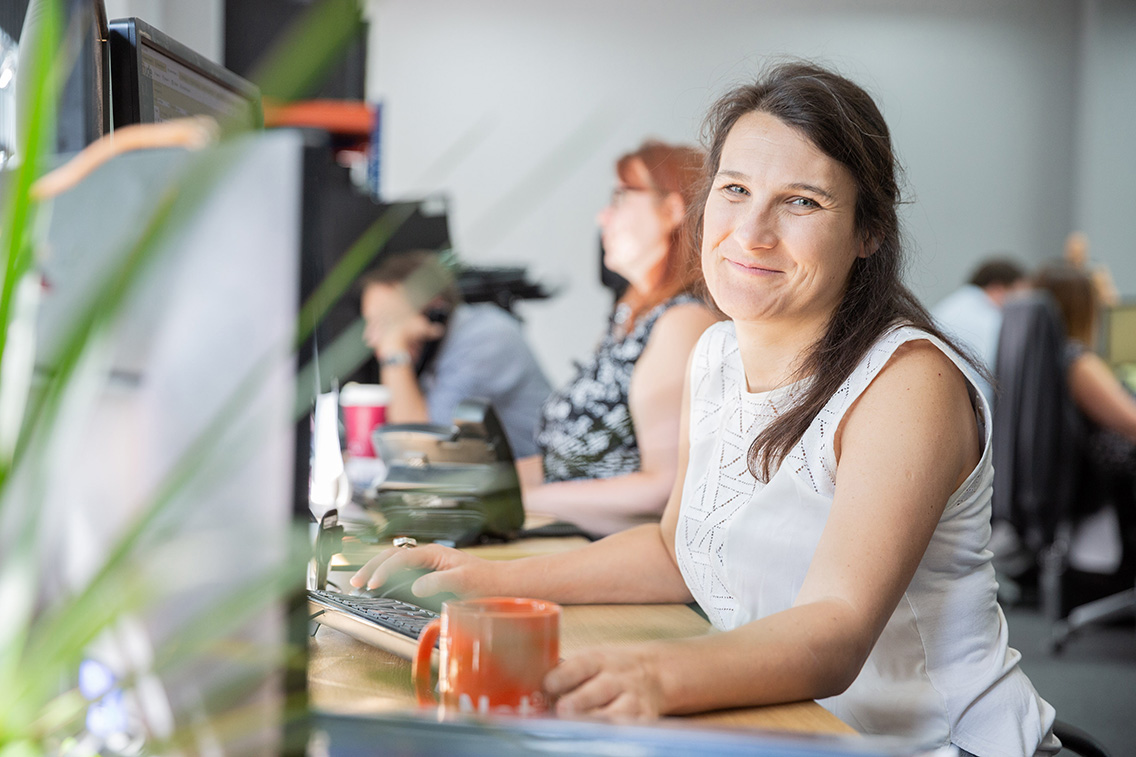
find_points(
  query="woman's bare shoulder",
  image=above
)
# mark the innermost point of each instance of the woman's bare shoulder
(920, 364)
(684, 318)
(918, 380)
(920, 396)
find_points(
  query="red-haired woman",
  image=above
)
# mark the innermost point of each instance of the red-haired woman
(609, 439)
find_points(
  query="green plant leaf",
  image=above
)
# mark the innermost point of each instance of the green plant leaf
(304, 54)
(17, 217)
(38, 708)
(352, 263)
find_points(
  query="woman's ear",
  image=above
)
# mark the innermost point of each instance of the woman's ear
(674, 209)
(869, 245)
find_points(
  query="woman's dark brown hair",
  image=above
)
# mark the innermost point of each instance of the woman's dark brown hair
(1076, 298)
(842, 120)
(671, 169)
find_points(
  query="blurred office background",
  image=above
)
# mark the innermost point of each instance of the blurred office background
(1012, 118)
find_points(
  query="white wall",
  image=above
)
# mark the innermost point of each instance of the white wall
(1104, 193)
(517, 110)
(197, 24)
(1013, 118)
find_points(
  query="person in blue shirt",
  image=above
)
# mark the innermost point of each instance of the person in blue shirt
(972, 314)
(435, 350)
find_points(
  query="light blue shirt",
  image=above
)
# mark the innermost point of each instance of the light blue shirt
(970, 317)
(484, 355)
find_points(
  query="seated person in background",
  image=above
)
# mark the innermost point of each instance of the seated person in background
(972, 314)
(1077, 255)
(1108, 413)
(832, 506)
(435, 351)
(1097, 392)
(609, 440)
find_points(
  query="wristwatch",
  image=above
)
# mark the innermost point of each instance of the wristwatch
(395, 358)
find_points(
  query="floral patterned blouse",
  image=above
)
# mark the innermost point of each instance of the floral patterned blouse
(585, 429)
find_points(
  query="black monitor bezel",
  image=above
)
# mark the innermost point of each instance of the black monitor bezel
(127, 35)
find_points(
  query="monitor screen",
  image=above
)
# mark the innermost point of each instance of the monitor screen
(1120, 334)
(173, 90)
(154, 78)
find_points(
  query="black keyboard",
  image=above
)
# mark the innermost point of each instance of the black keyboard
(383, 622)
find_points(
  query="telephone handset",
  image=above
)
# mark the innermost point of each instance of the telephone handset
(437, 314)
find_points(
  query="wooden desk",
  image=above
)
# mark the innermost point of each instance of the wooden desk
(349, 677)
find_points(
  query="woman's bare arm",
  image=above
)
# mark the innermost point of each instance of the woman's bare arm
(1101, 396)
(636, 566)
(631, 567)
(904, 447)
(530, 471)
(603, 506)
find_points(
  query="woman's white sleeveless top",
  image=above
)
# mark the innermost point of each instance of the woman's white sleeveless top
(941, 671)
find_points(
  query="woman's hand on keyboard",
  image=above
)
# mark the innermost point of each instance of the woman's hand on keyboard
(453, 570)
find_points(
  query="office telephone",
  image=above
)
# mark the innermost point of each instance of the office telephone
(455, 484)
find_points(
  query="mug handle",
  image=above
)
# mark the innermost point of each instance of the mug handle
(420, 667)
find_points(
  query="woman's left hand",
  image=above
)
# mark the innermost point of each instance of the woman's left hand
(615, 684)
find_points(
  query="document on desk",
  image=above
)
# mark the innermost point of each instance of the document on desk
(329, 486)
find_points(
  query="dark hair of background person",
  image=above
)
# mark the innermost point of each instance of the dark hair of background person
(997, 271)
(399, 267)
(842, 120)
(670, 169)
(1076, 298)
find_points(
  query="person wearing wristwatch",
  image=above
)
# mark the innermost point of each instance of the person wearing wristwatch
(435, 350)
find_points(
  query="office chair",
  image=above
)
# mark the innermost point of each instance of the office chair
(1044, 482)
(1036, 464)
(1078, 741)
(1119, 490)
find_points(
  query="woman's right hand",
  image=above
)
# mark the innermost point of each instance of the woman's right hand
(453, 571)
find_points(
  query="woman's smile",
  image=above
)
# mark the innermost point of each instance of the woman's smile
(752, 269)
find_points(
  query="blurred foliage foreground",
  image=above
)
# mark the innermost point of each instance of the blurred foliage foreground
(118, 632)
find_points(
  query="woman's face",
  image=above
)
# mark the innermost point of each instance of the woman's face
(636, 226)
(779, 234)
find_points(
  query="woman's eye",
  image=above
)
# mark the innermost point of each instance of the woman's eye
(735, 189)
(804, 202)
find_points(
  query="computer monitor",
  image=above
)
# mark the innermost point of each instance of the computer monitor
(83, 107)
(155, 78)
(191, 384)
(1120, 334)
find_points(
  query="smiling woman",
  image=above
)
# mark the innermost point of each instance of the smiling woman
(832, 507)
(779, 237)
(835, 132)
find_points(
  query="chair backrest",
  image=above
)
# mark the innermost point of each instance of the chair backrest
(1078, 741)
(1035, 435)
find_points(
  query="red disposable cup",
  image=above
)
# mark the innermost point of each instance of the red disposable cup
(364, 409)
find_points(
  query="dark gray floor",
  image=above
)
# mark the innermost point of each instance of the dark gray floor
(1091, 683)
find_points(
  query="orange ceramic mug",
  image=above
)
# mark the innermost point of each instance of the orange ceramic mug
(494, 654)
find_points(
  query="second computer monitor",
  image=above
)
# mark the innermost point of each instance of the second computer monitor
(1120, 334)
(155, 78)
